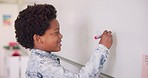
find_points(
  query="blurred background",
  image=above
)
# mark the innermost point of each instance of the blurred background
(11, 55)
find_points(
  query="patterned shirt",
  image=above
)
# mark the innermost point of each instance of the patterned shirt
(43, 64)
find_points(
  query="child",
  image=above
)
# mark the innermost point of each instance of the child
(38, 29)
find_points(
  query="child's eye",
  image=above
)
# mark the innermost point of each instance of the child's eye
(56, 33)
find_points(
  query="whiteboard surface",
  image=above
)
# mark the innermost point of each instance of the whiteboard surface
(127, 19)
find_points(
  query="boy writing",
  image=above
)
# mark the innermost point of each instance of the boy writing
(37, 28)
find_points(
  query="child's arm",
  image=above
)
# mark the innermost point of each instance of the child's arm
(90, 70)
(95, 64)
(52, 69)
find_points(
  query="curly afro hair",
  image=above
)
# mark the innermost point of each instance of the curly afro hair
(35, 19)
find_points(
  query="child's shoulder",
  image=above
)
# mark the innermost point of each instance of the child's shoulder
(43, 55)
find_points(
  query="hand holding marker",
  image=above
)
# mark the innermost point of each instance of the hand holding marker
(105, 38)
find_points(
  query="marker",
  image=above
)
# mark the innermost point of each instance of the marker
(98, 35)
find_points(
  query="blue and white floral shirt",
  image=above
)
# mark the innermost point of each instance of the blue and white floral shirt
(43, 64)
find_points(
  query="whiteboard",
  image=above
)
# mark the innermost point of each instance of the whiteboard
(127, 19)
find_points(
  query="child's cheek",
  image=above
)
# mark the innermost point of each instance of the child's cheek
(55, 40)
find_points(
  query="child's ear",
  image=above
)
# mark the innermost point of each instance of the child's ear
(37, 38)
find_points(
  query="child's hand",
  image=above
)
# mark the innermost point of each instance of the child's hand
(106, 39)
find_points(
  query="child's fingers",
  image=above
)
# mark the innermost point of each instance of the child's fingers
(105, 32)
(109, 33)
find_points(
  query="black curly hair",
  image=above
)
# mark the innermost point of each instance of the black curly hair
(35, 19)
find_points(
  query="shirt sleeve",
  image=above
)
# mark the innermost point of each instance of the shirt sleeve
(90, 70)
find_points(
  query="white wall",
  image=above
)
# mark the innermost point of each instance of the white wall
(6, 32)
(128, 19)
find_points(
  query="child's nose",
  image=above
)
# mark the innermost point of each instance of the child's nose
(61, 36)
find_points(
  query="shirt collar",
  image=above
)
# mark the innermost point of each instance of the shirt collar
(46, 54)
